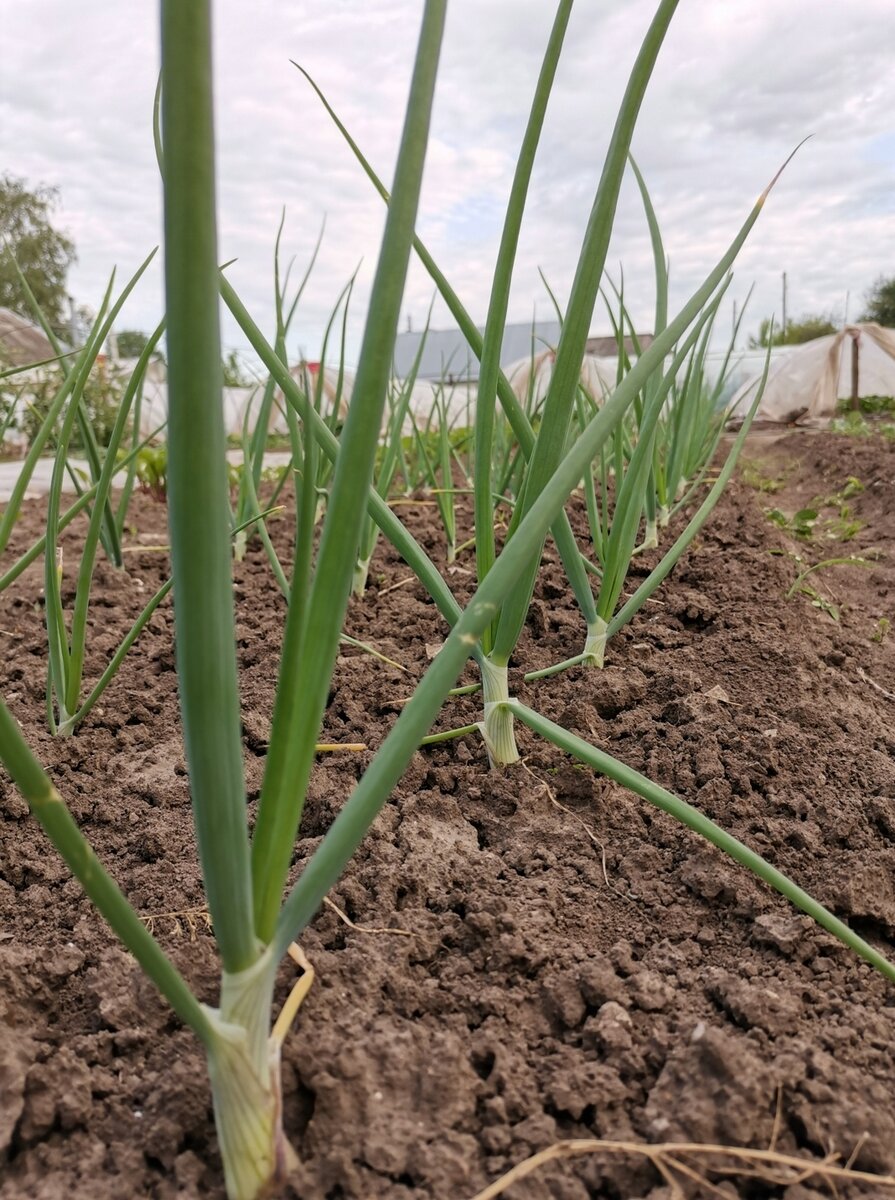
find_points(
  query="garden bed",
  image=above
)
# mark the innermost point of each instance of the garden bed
(540, 955)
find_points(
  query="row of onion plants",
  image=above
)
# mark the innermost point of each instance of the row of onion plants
(256, 913)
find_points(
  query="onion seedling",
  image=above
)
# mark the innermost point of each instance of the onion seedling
(388, 457)
(77, 373)
(67, 648)
(437, 457)
(545, 449)
(329, 402)
(515, 414)
(255, 446)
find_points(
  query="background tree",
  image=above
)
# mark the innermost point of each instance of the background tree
(880, 302)
(131, 343)
(42, 252)
(806, 329)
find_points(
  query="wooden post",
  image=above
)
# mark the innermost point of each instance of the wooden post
(855, 375)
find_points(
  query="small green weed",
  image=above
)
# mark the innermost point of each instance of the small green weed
(152, 472)
(808, 523)
(882, 630)
(853, 487)
(855, 424)
(801, 586)
(869, 405)
(754, 474)
(817, 600)
(800, 525)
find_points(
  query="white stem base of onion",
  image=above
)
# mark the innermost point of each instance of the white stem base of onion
(650, 536)
(65, 721)
(244, 1070)
(595, 643)
(497, 726)
(664, 515)
(361, 574)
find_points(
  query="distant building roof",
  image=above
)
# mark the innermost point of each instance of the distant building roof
(447, 355)
(21, 342)
(607, 347)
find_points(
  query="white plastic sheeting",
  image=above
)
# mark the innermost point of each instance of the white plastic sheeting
(154, 407)
(458, 399)
(244, 402)
(743, 367)
(804, 387)
(530, 377)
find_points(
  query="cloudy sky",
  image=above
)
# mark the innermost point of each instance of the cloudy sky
(738, 85)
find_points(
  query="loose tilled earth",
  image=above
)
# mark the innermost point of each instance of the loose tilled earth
(570, 962)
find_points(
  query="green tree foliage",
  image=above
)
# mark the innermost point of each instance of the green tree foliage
(42, 252)
(131, 343)
(806, 329)
(880, 302)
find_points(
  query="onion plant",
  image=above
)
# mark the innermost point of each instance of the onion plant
(437, 456)
(675, 420)
(621, 540)
(543, 450)
(65, 519)
(329, 402)
(76, 371)
(246, 876)
(254, 444)
(244, 882)
(516, 416)
(553, 432)
(388, 458)
(67, 645)
(39, 443)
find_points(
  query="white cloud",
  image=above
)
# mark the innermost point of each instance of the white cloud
(737, 86)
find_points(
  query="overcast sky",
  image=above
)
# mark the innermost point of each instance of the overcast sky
(738, 84)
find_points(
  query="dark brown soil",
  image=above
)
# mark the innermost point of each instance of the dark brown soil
(590, 970)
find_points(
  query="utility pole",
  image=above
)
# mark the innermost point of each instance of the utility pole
(855, 373)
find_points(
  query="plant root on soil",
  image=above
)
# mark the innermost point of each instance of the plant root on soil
(668, 1157)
